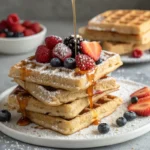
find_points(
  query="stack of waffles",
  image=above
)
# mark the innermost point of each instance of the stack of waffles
(61, 99)
(120, 31)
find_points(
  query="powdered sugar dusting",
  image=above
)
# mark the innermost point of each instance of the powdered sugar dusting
(127, 87)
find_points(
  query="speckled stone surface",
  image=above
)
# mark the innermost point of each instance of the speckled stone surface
(60, 9)
(137, 72)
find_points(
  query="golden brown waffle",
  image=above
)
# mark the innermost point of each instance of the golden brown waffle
(95, 35)
(124, 48)
(55, 97)
(43, 74)
(122, 21)
(104, 107)
(67, 111)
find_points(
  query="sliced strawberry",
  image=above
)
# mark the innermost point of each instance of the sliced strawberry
(144, 98)
(142, 108)
(141, 92)
(92, 49)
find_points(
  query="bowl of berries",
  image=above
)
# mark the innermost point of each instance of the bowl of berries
(18, 36)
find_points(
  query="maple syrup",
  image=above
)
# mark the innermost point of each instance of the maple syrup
(74, 23)
(23, 121)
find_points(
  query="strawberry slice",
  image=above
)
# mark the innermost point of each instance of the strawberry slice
(144, 98)
(142, 108)
(92, 49)
(145, 91)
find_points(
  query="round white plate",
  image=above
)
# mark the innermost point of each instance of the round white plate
(86, 138)
(129, 59)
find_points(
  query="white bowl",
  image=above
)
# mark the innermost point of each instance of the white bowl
(22, 44)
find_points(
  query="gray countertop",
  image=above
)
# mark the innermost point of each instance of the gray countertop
(137, 72)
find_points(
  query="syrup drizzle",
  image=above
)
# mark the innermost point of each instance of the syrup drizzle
(74, 23)
(23, 121)
(90, 91)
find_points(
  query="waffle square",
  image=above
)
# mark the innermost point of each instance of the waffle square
(62, 78)
(124, 48)
(55, 97)
(96, 35)
(103, 107)
(122, 21)
(67, 111)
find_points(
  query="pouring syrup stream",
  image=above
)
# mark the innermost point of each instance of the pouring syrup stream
(74, 23)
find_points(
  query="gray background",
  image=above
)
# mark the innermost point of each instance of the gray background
(56, 15)
(60, 9)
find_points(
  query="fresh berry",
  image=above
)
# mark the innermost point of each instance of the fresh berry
(61, 51)
(27, 23)
(52, 41)
(2, 35)
(121, 121)
(18, 34)
(17, 28)
(130, 115)
(84, 62)
(99, 61)
(142, 108)
(141, 93)
(13, 19)
(56, 62)
(92, 49)
(28, 32)
(5, 115)
(36, 27)
(103, 128)
(134, 99)
(144, 98)
(71, 41)
(3, 25)
(42, 54)
(70, 63)
(137, 53)
(10, 34)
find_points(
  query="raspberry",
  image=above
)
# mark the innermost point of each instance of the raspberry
(137, 53)
(61, 51)
(52, 41)
(84, 62)
(28, 32)
(27, 23)
(2, 35)
(42, 54)
(18, 28)
(3, 24)
(35, 27)
(13, 19)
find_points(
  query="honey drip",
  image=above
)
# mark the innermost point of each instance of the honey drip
(90, 90)
(23, 121)
(74, 23)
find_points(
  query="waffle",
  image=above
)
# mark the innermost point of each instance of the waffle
(122, 21)
(124, 48)
(95, 35)
(67, 111)
(62, 78)
(55, 97)
(104, 107)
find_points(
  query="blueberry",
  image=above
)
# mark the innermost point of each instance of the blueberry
(103, 128)
(99, 61)
(134, 100)
(5, 30)
(70, 63)
(130, 115)
(5, 115)
(56, 62)
(9, 34)
(121, 121)
(18, 34)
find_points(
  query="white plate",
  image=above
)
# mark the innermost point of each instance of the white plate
(85, 138)
(129, 59)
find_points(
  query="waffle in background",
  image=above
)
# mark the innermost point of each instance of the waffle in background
(120, 31)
